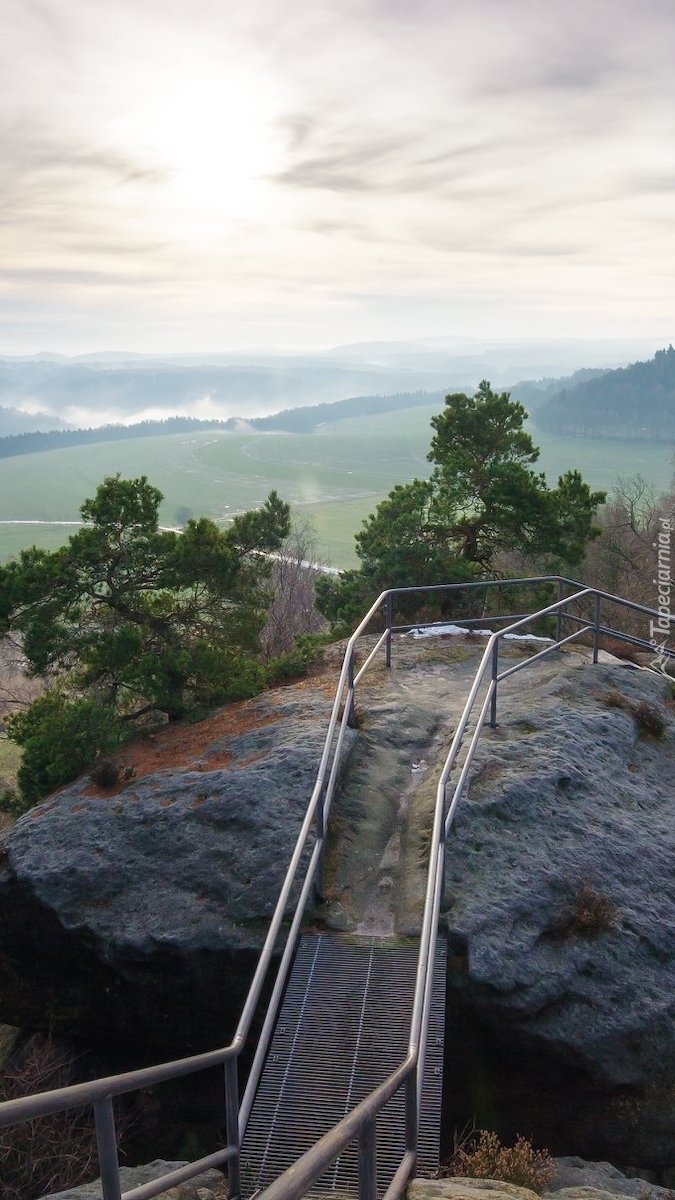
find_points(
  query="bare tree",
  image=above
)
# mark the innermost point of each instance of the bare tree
(17, 688)
(292, 612)
(621, 560)
(48, 1153)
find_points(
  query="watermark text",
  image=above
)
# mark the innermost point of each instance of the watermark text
(659, 630)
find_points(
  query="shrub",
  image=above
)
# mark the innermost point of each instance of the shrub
(297, 662)
(49, 1153)
(12, 804)
(105, 773)
(588, 914)
(481, 1155)
(649, 718)
(60, 738)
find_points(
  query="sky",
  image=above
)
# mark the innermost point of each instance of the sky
(234, 174)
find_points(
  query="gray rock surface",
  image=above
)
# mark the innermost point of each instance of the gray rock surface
(142, 912)
(211, 1185)
(572, 1016)
(573, 1174)
(138, 916)
(575, 1179)
(569, 798)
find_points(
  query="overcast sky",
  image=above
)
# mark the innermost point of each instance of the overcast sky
(221, 174)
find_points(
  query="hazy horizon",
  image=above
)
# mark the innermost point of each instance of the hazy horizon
(122, 388)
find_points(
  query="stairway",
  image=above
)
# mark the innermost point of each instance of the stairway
(343, 1028)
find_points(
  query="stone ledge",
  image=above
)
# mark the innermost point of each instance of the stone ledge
(210, 1185)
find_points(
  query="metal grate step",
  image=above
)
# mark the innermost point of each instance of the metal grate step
(343, 1028)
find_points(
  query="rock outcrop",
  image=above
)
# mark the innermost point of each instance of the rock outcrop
(574, 1179)
(560, 897)
(211, 1185)
(137, 914)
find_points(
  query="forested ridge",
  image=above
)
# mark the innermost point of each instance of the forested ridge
(58, 439)
(632, 402)
(304, 420)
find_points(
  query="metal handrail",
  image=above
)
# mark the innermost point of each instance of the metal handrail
(100, 1092)
(360, 1121)
(297, 1180)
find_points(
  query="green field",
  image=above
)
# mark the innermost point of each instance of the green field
(335, 476)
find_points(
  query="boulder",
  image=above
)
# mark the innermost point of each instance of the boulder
(559, 893)
(575, 1179)
(575, 1175)
(137, 914)
(458, 1188)
(211, 1185)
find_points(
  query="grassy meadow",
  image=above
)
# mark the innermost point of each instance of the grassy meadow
(334, 476)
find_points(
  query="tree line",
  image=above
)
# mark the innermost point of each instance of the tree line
(58, 439)
(632, 402)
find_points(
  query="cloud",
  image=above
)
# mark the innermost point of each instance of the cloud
(646, 182)
(401, 149)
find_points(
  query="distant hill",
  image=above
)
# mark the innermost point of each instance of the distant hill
(294, 420)
(57, 439)
(635, 402)
(533, 393)
(306, 420)
(15, 420)
(124, 388)
(88, 393)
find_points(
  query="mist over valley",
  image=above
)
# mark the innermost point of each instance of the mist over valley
(333, 457)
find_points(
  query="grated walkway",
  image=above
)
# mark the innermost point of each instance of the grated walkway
(343, 1028)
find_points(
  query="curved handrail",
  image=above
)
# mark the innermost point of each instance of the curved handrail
(296, 1181)
(360, 1120)
(100, 1092)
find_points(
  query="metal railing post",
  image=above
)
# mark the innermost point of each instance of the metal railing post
(106, 1141)
(444, 839)
(596, 630)
(321, 841)
(368, 1162)
(411, 1111)
(559, 617)
(389, 611)
(232, 1125)
(351, 706)
(495, 672)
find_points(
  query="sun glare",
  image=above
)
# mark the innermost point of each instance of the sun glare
(209, 138)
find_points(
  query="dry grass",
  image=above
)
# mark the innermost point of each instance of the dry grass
(479, 1154)
(648, 717)
(588, 914)
(614, 700)
(621, 649)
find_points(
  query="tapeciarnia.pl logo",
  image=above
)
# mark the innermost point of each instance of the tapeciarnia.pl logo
(659, 630)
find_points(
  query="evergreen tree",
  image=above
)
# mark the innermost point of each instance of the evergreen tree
(482, 498)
